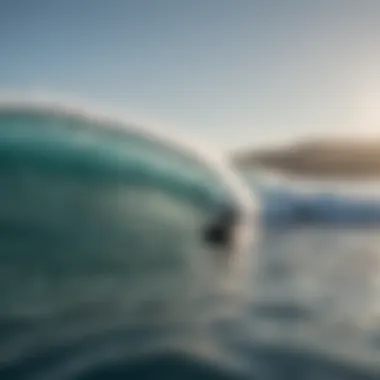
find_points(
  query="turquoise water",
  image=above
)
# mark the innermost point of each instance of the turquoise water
(104, 273)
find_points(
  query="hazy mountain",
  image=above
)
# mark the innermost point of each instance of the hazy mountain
(325, 158)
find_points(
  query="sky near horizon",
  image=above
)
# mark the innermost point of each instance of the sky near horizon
(237, 72)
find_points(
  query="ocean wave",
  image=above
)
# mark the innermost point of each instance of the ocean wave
(296, 201)
(102, 241)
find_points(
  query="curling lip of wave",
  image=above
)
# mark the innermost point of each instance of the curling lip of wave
(104, 116)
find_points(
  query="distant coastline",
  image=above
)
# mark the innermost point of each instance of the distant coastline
(346, 159)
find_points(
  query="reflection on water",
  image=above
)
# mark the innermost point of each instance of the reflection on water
(312, 312)
(318, 291)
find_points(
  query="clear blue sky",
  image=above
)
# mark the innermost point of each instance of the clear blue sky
(238, 72)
